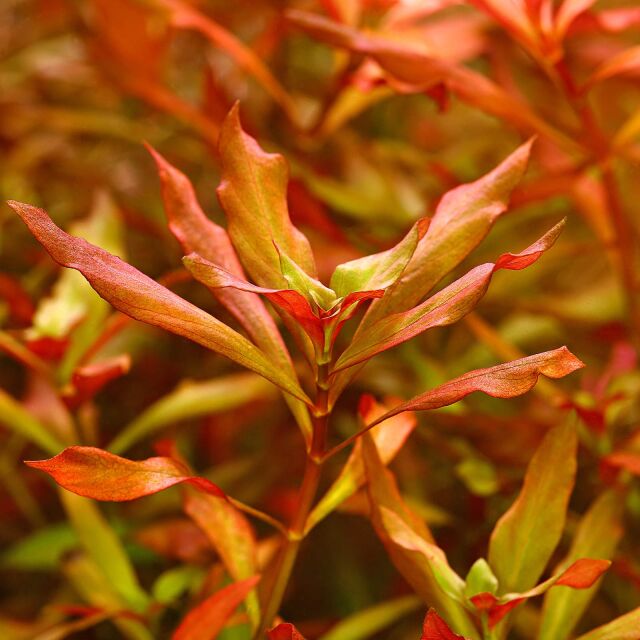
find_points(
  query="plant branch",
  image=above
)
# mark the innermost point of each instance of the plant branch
(308, 489)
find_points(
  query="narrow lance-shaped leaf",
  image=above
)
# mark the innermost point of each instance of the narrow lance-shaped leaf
(140, 297)
(388, 437)
(253, 194)
(184, 15)
(288, 300)
(623, 628)
(94, 473)
(15, 417)
(196, 233)
(582, 574)
(597, 535)
(105, 547)
(463, 218)
(527, 534)
(101, 591)
(444, 308)
(625, 62)
(435, 628)
(417, 69)
(371, 621)
(380, 270)
(506, 380)
(410, 544)
(194, 399)
(209, 618)
(230, 534)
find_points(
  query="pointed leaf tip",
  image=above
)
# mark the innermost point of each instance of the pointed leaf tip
(435, 628)
(285, 631)
(94, 473)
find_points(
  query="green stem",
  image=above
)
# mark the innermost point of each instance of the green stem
(306, 497)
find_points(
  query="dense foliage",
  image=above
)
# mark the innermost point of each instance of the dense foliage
(350, 350)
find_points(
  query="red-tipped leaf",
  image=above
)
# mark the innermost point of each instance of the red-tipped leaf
(582, 574)
(444, 308)
(140, 297)
(506, 380)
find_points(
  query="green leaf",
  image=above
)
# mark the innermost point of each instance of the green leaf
(313, 290)
(104, 546)
(253, 193)
(15, 417)
(480, 579)
(193, 400)
(380, 270)
(97, 589)
(171, 584)
(525, 537)
(597, 536)
(623, 628)
(41, 550)
(373, 620)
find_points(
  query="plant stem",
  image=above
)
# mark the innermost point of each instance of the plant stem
(306, 496)
(624, 231)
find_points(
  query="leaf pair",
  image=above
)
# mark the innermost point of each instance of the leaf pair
(446, 307)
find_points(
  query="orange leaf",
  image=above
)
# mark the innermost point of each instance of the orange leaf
(207, 620)
(94, 473)
(506, 380)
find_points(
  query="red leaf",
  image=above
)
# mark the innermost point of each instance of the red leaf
(140, 297)
(622, 461)
(407, 62)
(285, 631)
(290, 301)
(89, 379)
(185, 16)
(207, 620)
(101, 475)
(506, 380)
(435, 628)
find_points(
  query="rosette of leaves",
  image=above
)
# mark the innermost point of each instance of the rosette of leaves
(260, 256)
